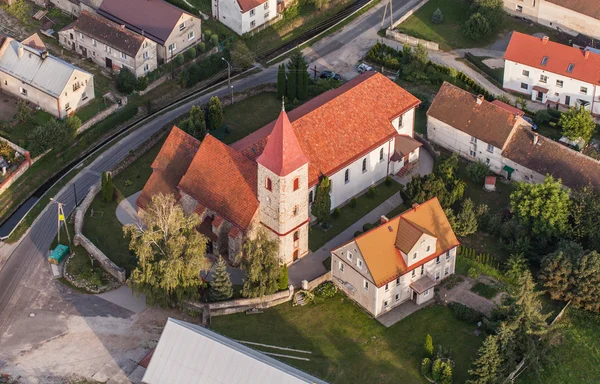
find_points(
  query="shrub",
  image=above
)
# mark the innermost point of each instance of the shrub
(336, 213)
(357, 233)
(141, 84)
(283, 279)
(207, 34)
(191, 53)
(325, 290)
(202, 46)
(487, 291)
(352, 203)
(426, 367)
(428, 346)
(473, 272)
(476, 27)
(214, 40)
(543, 116)
(179, 59)
(437, 17)
(367, 226)
(477, 172)
(465, 313)
(126, 81)
(371, 192)
(388, 181)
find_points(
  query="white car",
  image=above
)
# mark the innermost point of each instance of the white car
(364, 68)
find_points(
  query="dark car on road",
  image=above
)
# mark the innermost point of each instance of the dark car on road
(330, 75)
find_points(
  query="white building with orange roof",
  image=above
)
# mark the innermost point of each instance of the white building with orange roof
(244, 16)
(402, 259)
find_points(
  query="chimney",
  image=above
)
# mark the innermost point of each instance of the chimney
(545, 39)
(383, 219)
(44, 54)
(586, 53)
(536, 138)
(480, 99)
(415, 206)
(21, 51)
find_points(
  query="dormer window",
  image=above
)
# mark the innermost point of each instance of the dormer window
(268, 184)
(544, 60)
(570, 68)
(296, 184)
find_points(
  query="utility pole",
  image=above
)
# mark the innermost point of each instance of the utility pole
(315, 73)
(389, 2)
(229, 78)
(75, 192)
(62, 220)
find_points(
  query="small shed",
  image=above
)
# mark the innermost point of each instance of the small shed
(58, 254)
(490, 183)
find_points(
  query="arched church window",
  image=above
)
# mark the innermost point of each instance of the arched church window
(268, 184)
(296, 184)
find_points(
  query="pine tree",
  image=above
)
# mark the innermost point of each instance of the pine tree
(107, 189)
(103, 186)
(195, 124)
(428, 346)
(220, 287)
(303, 80)
(215, 113)
(281, 82)
(485, 370)
(446, 375)
(321, 207)
(292, 84)
(436, 370)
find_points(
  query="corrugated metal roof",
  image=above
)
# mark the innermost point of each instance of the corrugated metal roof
(48, 74)
(188, 353)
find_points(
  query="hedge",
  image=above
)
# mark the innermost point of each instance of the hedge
(465, 313)
(487, 70)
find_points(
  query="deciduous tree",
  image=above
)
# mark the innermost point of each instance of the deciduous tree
(477, 27)
(241, 56)
(215, 113)
(170, 252)
(23, 112)
(578, 123)
(195, 124)
(261, 264)
(321, 207)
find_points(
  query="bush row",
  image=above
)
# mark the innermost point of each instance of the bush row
(465, 313)
(479, 64)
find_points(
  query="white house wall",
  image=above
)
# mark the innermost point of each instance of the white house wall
(350, 275)
(180, 37)
(513, 77)
(230, 14)
(408, 123)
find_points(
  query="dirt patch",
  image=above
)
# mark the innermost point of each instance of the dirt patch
(494, 62)
(8, 107)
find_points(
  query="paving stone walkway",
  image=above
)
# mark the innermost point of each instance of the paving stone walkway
(462, 293)
(400, 312)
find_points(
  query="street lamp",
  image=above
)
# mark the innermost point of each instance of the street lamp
(229, 78)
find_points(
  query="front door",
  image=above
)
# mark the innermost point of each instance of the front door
(108, 63)
(295, 255)
(414, 296)
(568, 100)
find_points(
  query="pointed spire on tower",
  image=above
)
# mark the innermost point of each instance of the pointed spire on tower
(282, 103)
(282, 154)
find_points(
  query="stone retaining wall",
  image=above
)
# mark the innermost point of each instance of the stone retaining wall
(310, 285)
(409, 13)
(98, 117)
(427, 145)
(410, 40)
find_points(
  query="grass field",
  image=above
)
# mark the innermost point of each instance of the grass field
(248, 115)
(203, 6)
(348, 346)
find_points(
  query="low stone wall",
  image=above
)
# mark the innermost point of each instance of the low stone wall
(409, 13)
(27, 162)
(410, 40)
(14, 146)
(427, 145)
(310, 285)
(100, 116)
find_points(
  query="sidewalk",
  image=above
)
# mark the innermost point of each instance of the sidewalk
(311, 266)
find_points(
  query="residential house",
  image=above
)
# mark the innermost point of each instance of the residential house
(58, 87)
(172, 29)
(356, 135)
(243, 16)
(109, 44)
(570, 16)
(189, 353)
(552, 73)
(402, 259)
(495, 134)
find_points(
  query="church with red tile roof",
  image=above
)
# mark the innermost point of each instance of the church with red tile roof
(355, 135)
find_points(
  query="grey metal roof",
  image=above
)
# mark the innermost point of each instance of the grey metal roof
(187, 353)
(48, 74)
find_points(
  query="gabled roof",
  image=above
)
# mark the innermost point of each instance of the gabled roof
(34, 41)
(531, 51)
(378, 246)
(575, 169)
(247, 5)
(224, 180)
(187, 353)
(154, 19)
(282, 154)
(341, 125)
(36, 68)
(169, 166)
(585, 7)
(460, 110)
(508, 107)
(108, 32)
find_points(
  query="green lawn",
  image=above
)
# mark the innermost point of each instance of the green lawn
(577, 359)
(485, 290)
(18, 133)
(449, 34)
(350, 346)
(421, 121)
(364, 204)
(496, 75)
(248, 115)
(91, 109)
(203, 6)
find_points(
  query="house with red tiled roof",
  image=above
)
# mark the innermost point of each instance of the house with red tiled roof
(356, 135)
(243, 16)
(570, 16)
(401, 259)
(551, 73)
(498, 136)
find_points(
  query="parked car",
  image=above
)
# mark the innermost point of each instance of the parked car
(364, 68)
(330, 75)
(530, 121)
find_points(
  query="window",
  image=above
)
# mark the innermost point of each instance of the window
(559, 83)
(296, 184)
(191, 35)
(172, 48)
(364, 166)
(437, 275)
(145, 45)
(83, 96)
(349, 255)
(267, 5)
(181, 26)
(381, 155)
(5, 82)
(524, 86)
(472, 153)
(146, 67)
(146, 55)
(295, 210)
(490, 148)
(426, 293)
(252, 24)
(23, 91)
(310, 197)
(414, 255)
(366, 285)
(525, 73)
(473, 140)
(387, 287)
(414, 272)
(428, 248)
(422, 269)
(252, 12)
(81, 36)
(347, 176)
(123, 55)
(447, 255)
(437, 260)
(397, 281)
(446, 271)
(570, 68)
(487, 160)
(67, 107)
(341, 266)
(543, 79)
(94, 53)
(71, 35)
(266, 15)
(385, 304)
(94, 42)
(544, 60)
(296, 235)
(268, 184)
(107, 49)
(519, 8)
(400, 121)
(397, 296)
(359, 263)
(583, 90)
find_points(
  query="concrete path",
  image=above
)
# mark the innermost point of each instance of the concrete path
(424, 167)
(127, 210)
(400, 312)
(125, 298)
(462, 293)
(311, 266)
